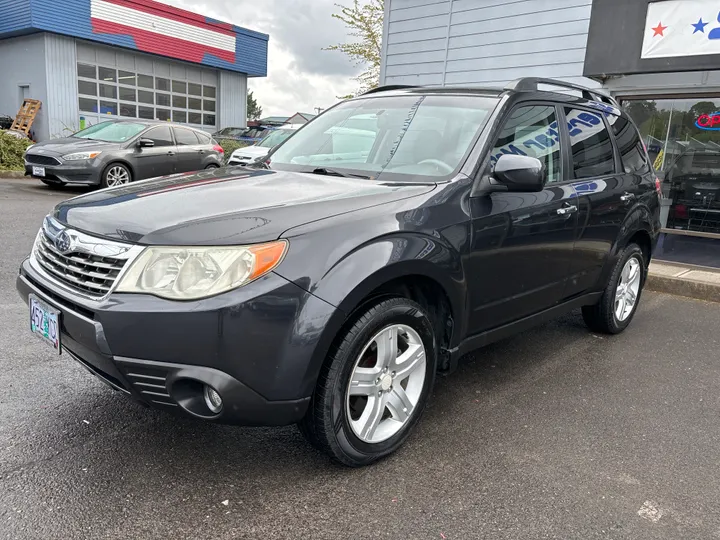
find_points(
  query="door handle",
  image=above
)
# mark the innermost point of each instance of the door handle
(567, 209)
(627, 197)
(171, 153)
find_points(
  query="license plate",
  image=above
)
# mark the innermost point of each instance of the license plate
(45, 322)
(38, 171)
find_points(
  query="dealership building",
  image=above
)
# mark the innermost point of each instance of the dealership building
(660, 60)
(92, 60)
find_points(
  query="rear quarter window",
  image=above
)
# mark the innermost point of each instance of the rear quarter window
(629, 144)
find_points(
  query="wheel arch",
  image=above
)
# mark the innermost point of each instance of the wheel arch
(122, 162)
(439, 291)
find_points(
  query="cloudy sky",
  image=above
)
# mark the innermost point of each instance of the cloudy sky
(301, 76)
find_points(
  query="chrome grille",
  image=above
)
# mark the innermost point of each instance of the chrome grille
(89, 266)
(87, 273)
(41, 160)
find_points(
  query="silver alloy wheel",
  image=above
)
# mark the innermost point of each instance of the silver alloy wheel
(386, 383)
(628, 288)
(117, 176)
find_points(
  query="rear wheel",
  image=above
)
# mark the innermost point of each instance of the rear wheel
(619, 302)
(212, 166)
(116, 174)
(374, 385)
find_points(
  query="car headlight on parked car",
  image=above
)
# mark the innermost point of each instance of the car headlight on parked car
(190, 273)
(81, 155)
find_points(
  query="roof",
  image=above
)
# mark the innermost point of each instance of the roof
(278, 119)
(142, 25)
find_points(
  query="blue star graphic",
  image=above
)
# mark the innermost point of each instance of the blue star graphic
(699, 26)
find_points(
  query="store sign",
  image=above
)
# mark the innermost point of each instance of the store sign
(709, 122)
(681, 28)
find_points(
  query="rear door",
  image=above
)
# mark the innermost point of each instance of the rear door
(606, 192)
(158, 160)
(190, 153)
(522, 243)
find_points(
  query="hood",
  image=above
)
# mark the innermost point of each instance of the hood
(228, 206)
(70, 145)
(252, 151)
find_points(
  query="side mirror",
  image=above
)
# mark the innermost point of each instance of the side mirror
(145, 143)
(520, 173)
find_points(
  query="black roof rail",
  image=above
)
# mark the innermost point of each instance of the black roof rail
(530, 84)
(388, 87)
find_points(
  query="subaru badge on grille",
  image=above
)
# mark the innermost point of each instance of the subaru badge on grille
(63, 242)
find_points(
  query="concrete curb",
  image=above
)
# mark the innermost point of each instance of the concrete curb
(703, 284)
(11, 174)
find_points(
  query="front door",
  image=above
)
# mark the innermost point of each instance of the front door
(157, 160)
(522, 243)
(608, 187)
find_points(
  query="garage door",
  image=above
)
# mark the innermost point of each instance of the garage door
(115, 84)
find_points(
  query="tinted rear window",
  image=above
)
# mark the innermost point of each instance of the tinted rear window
(591, 148)
(629, 144)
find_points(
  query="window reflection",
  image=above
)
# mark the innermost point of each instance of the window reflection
(682, 137)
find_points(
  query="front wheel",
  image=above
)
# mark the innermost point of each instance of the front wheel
(375, 384)
(619, 302)
(116, 174)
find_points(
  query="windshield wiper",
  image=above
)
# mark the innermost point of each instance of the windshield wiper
(332, 172)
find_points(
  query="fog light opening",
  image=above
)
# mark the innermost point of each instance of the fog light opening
(212, 399)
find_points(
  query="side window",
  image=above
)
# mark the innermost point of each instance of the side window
(204, 139)
(185, 137)
(531, 131)
(591, 147)
(161, 136)
(629, 144)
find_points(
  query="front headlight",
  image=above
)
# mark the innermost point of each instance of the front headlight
(81, 155)
(190, 273)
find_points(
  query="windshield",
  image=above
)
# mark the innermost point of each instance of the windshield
(275, 138)
(401, 138)
(232, 132)
(116, 132)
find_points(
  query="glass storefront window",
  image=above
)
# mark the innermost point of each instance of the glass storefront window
(682, 137)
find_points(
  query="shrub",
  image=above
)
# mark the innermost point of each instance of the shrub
(229, 145)
(12, 151)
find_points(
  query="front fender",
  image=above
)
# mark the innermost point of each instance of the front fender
(349, 281)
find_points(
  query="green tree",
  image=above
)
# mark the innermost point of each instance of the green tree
(365, 23)
(254, 111)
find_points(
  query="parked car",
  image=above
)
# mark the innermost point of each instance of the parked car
(327, 288)
(122, 151)
(232, 133)
(248, 154)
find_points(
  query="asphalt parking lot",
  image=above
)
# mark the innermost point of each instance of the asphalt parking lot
(557, 433)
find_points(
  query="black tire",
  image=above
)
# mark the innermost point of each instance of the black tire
(326, 425)
(111, 170)
(601, 317)
(212, 166)
(53, 185)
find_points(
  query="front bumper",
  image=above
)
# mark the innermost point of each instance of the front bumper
(88, 174)
(252, 347)
(240, 160)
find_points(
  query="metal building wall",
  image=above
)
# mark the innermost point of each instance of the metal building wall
(14, 16)
(232, 100)
(62, 97)
(484, 42)
(22, 64)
